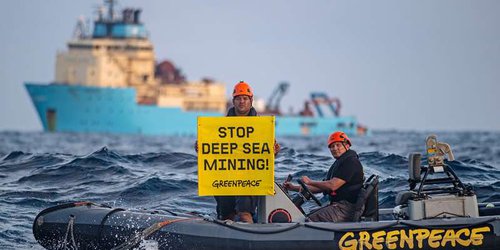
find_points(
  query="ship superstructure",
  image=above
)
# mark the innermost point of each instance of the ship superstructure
(119, 54)
(109, 81)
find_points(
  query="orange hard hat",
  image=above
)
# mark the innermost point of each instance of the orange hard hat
(338, 137)
(242, 88)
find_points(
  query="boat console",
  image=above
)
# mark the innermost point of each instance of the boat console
(282, 208)
(440, 193)
(435, 191)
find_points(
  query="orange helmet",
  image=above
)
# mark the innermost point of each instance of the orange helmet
(242, 88)
(338, 137)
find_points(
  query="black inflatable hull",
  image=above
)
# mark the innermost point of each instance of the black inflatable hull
(90, 226)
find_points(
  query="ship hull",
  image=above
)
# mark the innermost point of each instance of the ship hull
(77, 108)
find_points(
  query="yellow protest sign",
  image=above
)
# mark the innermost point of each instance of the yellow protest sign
(236, 155)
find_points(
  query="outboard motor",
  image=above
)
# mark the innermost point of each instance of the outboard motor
(445, 196)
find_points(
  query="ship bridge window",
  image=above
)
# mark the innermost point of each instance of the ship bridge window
(80, 46)
(113, 47)
(130, 47)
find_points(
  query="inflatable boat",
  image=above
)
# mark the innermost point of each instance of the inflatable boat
(437, 212)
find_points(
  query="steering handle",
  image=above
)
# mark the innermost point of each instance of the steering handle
(307, 193)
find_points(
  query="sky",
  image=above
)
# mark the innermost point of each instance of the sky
(406, 65)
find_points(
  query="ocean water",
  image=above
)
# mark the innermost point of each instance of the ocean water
(39, 170)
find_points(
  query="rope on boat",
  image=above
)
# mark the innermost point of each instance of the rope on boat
(103, 221)
(246, 230)
(404, 223)
(482, 222)
(352, 229)
(69, 232)
(142, 235)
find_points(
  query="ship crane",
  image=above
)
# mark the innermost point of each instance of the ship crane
(273, 103)
(319, 99)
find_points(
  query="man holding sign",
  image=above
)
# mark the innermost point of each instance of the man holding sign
(240, 152)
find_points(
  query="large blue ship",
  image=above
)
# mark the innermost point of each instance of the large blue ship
(108, 82)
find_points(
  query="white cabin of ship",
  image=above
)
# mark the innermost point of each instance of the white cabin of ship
(106, 63)
(109, 60)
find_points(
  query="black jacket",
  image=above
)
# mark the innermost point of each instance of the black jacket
(232, 112)
(348, 168)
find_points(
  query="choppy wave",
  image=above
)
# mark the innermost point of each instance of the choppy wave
(38, 170)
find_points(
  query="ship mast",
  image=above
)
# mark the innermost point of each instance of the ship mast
(111, 13)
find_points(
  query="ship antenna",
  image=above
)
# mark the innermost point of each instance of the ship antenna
(81, 29)
(111, 4)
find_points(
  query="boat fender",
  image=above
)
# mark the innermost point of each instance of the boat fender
(279, 215)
